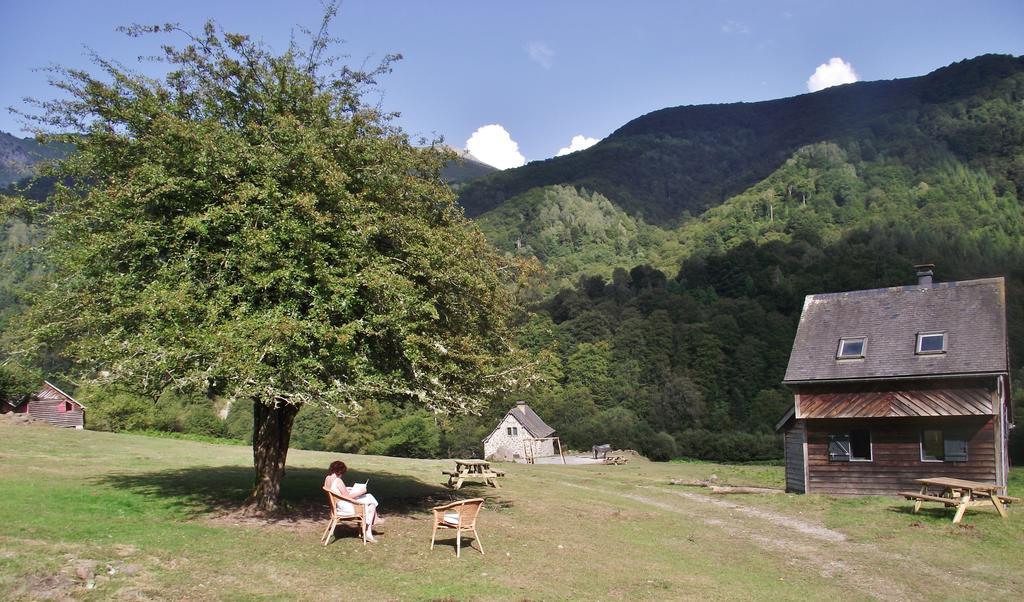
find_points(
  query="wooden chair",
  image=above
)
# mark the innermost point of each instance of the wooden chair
(460, 516)
(358, 515)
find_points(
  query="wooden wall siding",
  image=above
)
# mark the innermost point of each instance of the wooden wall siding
(896, 455)
(53, 411)
(891, 402)
(794, 450)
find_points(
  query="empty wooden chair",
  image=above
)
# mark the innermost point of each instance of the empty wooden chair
(357, 515)
(460, 516)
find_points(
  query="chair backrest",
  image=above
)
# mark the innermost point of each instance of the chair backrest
(470, 508)
(466, 509)
(331, 501)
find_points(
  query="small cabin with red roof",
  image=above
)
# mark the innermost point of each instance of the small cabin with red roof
(896, 384)
(49, 404)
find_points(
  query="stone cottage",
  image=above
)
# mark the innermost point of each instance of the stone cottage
(519, 436)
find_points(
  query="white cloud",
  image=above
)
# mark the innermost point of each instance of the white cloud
(731, 26)
(540, 53)
(578, 143)
(493, 145)
(833, 73)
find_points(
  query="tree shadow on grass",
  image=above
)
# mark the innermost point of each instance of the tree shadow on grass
(213, 491)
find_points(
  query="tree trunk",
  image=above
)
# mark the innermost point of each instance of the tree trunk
(272, 429)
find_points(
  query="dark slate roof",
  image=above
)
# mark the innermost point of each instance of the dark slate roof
(971, 312)
(530, 420)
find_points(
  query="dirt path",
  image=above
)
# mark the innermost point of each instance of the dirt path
(861, 567)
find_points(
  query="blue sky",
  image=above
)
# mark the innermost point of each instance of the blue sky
(544, 72)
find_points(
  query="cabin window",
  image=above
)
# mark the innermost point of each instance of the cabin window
(513, 430)
(931, 342)
(852, 347)
(943, 446)
(67, 406)
(854, 446)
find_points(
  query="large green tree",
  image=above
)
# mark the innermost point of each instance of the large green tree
(16, 382)
(248, 225)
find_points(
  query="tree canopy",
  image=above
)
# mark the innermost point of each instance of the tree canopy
(248, 225)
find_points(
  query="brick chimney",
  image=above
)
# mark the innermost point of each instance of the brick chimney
(924, 273)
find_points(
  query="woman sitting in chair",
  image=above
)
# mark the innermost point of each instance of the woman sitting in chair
(334, 482)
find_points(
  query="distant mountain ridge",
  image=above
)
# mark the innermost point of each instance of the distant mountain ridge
(465, 168)
(681, 161)
(934, 152)
(18, 157)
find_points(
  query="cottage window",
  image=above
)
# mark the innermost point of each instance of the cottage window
(854, 446)
(513, 430)
(943, 446)
(931, 342)
(852, 347)
(67, 406)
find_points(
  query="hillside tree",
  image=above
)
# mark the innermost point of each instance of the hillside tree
(250, 226)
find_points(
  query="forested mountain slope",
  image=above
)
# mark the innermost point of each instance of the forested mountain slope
(697, 349)
(963, 154)
(18, 157)
(681, 161)
(673, 337)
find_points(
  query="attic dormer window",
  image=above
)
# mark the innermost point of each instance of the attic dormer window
(851, 348)
(931, 342)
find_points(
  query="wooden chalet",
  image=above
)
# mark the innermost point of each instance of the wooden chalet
(895, 384)
(51, 405)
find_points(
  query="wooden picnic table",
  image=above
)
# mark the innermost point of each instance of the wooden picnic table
(477, 470)
(615, 459)
(958, 493)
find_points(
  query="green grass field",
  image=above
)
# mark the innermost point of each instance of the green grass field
(103, 516)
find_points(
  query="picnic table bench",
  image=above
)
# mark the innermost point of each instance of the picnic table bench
(474, 470)
(958, 493)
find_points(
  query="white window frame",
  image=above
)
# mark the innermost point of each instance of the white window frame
(922, 335)
(842, 343)
(512, 431)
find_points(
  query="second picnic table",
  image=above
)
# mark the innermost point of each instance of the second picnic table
(478, 470)
(959, 493)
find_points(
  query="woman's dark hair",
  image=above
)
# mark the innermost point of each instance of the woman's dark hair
(337, 468)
